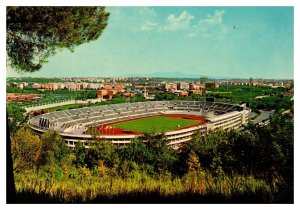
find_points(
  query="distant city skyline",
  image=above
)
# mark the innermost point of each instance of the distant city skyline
(150, 77)
(217, 42)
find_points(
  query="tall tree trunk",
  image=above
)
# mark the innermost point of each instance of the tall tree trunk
(10, 181)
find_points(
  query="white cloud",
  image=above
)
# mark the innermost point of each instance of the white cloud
(224, 29)
(213, 20)
(181, 22)
(148, 26)
(212, 26)
(148, 18)
(147, 12)
(192, 34)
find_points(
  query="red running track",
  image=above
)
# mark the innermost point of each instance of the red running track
(106, 129)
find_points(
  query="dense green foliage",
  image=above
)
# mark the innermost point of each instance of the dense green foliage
(65, 107)
(262, 152)
(155, 124)
(173, 96)
(79, 154)
(245, 91)
(235, 94)
(14, 111)
(54, 149)
(253, 165)
(15, 116)
(88, 94)
(118, 98)
(246, 94)
(38, 80)
(35, 33)
(26, 149)
(165, 96)
(256, 150)
(273, 102)
(23, 91)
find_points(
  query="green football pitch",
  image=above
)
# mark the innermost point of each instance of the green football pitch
(156, 124)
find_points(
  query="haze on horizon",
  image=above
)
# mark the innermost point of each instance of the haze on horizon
(218, 42)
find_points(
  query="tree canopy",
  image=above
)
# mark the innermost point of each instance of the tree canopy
(26, 149)
(35, 33)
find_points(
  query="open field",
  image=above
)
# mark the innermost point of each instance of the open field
(156, 123)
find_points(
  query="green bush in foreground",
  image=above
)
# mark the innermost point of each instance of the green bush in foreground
(251, 166)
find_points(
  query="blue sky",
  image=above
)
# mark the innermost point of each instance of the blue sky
(196, 41)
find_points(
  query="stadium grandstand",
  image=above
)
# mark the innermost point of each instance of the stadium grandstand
(73, 125)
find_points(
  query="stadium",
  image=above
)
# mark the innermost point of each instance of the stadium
(120, 123)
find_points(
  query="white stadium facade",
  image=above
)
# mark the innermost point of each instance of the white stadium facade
(72, 124)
